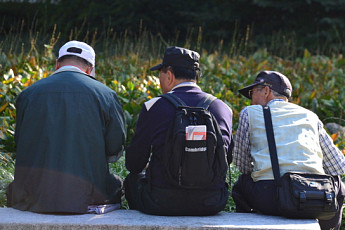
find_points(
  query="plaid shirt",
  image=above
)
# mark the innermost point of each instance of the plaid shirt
(333, 158)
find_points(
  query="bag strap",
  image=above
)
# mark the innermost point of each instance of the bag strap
(206, 101)
(271, 143)
(176, 101)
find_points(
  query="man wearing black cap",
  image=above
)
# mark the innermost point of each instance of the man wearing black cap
(302, 145)
(153, 193)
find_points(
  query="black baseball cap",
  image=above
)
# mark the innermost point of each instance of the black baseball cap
(179, 57)
(275, 80)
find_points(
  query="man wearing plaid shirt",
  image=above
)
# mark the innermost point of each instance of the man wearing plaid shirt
(302, 145)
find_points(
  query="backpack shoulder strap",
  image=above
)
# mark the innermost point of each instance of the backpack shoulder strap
(206, 101)
(175, 100)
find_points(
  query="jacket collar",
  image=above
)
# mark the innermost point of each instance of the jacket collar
(69, 68)
(185, 84)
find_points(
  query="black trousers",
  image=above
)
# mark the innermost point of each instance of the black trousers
(172, 202)
(250, 196)
(113, 194)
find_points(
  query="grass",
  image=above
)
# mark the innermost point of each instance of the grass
(6, 176)
(123, 64)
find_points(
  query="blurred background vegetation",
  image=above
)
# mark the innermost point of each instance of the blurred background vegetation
(285, 27)
(304, 39)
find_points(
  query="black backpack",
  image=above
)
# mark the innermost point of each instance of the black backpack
(194, 164)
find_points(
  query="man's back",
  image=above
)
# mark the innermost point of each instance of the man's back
(62, 141)
(296, 134)
(159, 116)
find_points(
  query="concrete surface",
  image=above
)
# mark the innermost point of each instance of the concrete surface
(11, 219)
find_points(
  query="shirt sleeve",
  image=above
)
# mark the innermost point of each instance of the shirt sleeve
(139, 151)
(242, 157)
(19, 116)
(223, 115)
(333, 158)
(115, 134)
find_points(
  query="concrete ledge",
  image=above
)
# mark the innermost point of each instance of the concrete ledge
(11, 219)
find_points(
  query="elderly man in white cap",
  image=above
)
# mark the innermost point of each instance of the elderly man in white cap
(69, 126)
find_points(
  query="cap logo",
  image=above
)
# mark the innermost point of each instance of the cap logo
(269, 85)
(74, 50)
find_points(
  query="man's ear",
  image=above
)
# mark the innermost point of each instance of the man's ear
(88, 70)
(268, 94)
(171, 78)
(267, 91)
(57, 65)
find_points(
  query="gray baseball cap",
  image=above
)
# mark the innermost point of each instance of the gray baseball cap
(275, 80)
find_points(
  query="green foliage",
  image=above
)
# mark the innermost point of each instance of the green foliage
(118, 168)
(233, 174)
(6, 175)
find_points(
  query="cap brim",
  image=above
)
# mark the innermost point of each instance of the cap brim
(157, 67)
(245, 91)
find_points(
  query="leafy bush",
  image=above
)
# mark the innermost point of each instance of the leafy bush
(6, 175)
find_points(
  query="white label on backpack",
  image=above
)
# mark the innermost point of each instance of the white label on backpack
(194, 150)
(196, 132)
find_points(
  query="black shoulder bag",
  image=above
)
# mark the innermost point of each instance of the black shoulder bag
(301, 194)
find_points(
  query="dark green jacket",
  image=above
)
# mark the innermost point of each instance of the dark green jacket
(68, 126)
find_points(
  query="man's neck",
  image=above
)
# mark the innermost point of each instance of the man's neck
(185, 83)
(179, 81)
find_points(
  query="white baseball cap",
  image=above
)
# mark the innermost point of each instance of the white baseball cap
(80, 49)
